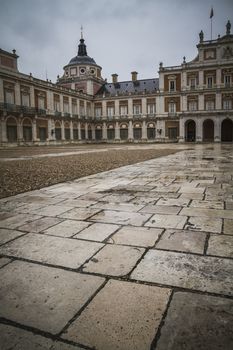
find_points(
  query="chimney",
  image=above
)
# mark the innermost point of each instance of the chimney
(114, 78)
(134, 76)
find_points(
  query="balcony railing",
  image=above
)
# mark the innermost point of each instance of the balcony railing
(66, 114)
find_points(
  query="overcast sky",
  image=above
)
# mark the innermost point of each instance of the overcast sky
(121, 35)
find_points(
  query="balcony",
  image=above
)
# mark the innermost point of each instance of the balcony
(172, 114)
(67, 114)
(8, 107)
(57, 114)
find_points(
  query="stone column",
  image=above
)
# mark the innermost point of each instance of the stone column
(181, 131)
(17, 94)
(130, 107)
(79, 131)
(104, 109)
(1, 91)
(218, 78)
(32, 97)
(34, 131)
(117, 132)
(218, 102)
(104, 131)
(62, 130)
(217, 130)
(144, 131)
(20, 128)
(201, 105)
(71, 131)
(117, 108)
(144, 111)
(3, 130)
(184, 103)
(201, 78)
(50, 127)
(70, 109)
(93, 132)
(199, 130)
(50, 106)
(130, 131)
(86, 131)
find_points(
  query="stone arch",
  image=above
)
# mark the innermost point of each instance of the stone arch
(98, 132)
(67, 130)
(110, 132)
(27, 129)
(208, 130)
(227, 130)
(190, 130)
(151, 131)
(11, 129)
(124, 133)
(75, 131)
(137, 131)
(58, 130)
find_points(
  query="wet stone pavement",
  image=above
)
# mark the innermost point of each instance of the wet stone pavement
(140, 257)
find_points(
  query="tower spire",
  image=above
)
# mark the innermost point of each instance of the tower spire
(82, 49)
(81, 31)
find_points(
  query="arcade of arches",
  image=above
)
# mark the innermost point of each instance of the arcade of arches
(208, 131)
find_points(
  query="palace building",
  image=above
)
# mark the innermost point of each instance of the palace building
(192, 102)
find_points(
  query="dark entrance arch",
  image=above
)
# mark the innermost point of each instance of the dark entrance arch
(208, 130)
(190, 131)
(227, 130)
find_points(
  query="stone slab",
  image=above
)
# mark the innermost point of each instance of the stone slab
(7, 235)
(53, 210)
(207, 224)
(121, 217)
(114, 260)
(4, 261)
(121, 316)
(228, 227)
(136, 236)
(201, 322)
(79, 213)
(59, 251)
(19, 339)
(182, 202)
(37, 296)
(211, 213)
(160, 209)
(220, 245)
(167, 221)
(18, 220)
(40, 225)
(207, 204)
(97, 232)
(66, 228)
(207, 274)
(183, 240)
(119, 206)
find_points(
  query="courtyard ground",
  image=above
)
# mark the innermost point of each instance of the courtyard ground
(139, 257)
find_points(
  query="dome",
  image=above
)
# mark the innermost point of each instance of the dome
(82, 60)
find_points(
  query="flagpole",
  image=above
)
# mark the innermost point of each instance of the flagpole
(211, 27)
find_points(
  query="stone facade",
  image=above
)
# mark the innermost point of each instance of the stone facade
(192, 102)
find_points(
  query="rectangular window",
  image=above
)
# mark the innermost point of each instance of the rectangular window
(82, 110)
(172, 133)
(74, 108)
(209, 82)
(209, 105)
(227, 104)
(192, 106)
(151, 108)
(136, 109)
(9, 97)
(172, 85)
(110, 111)
(227, 80)
(123, 110)
(172, 107)
(98, 112)
(25, 100)
(41, 102)
(192, 83)
(57, 105)
(66, 107)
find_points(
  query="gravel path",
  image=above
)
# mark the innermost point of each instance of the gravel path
(17, 176)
